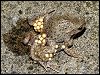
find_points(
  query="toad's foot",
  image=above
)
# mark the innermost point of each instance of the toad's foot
(73, 52)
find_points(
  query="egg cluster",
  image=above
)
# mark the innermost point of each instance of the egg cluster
(49, 56)
(41, 39)
(38, 24)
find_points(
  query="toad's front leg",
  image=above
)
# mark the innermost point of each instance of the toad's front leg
(70, 51)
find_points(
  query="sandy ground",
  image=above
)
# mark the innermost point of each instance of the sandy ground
(88, 43)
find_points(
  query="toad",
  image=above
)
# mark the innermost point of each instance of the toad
(56, 32)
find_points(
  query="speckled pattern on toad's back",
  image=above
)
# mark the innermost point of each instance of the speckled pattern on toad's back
(58, 25)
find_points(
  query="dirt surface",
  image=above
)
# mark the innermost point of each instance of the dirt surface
(12, 12)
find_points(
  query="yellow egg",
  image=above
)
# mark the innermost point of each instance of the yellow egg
(35, 27)
(43, 44)
(49, 58)
(41, 26)
(36, 21)
(38, 27)
(41, 38)
(63, 46)
(56, 46)
(43, 35)
(50, 55)
(43, 41)
(36, 41)
(47, 55)
(39, 23)
(39, 41)
(41, 19)
(34, 24)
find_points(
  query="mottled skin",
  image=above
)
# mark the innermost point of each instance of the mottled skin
(38, 51)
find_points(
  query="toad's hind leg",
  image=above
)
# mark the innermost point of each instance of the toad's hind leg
(72, 52)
